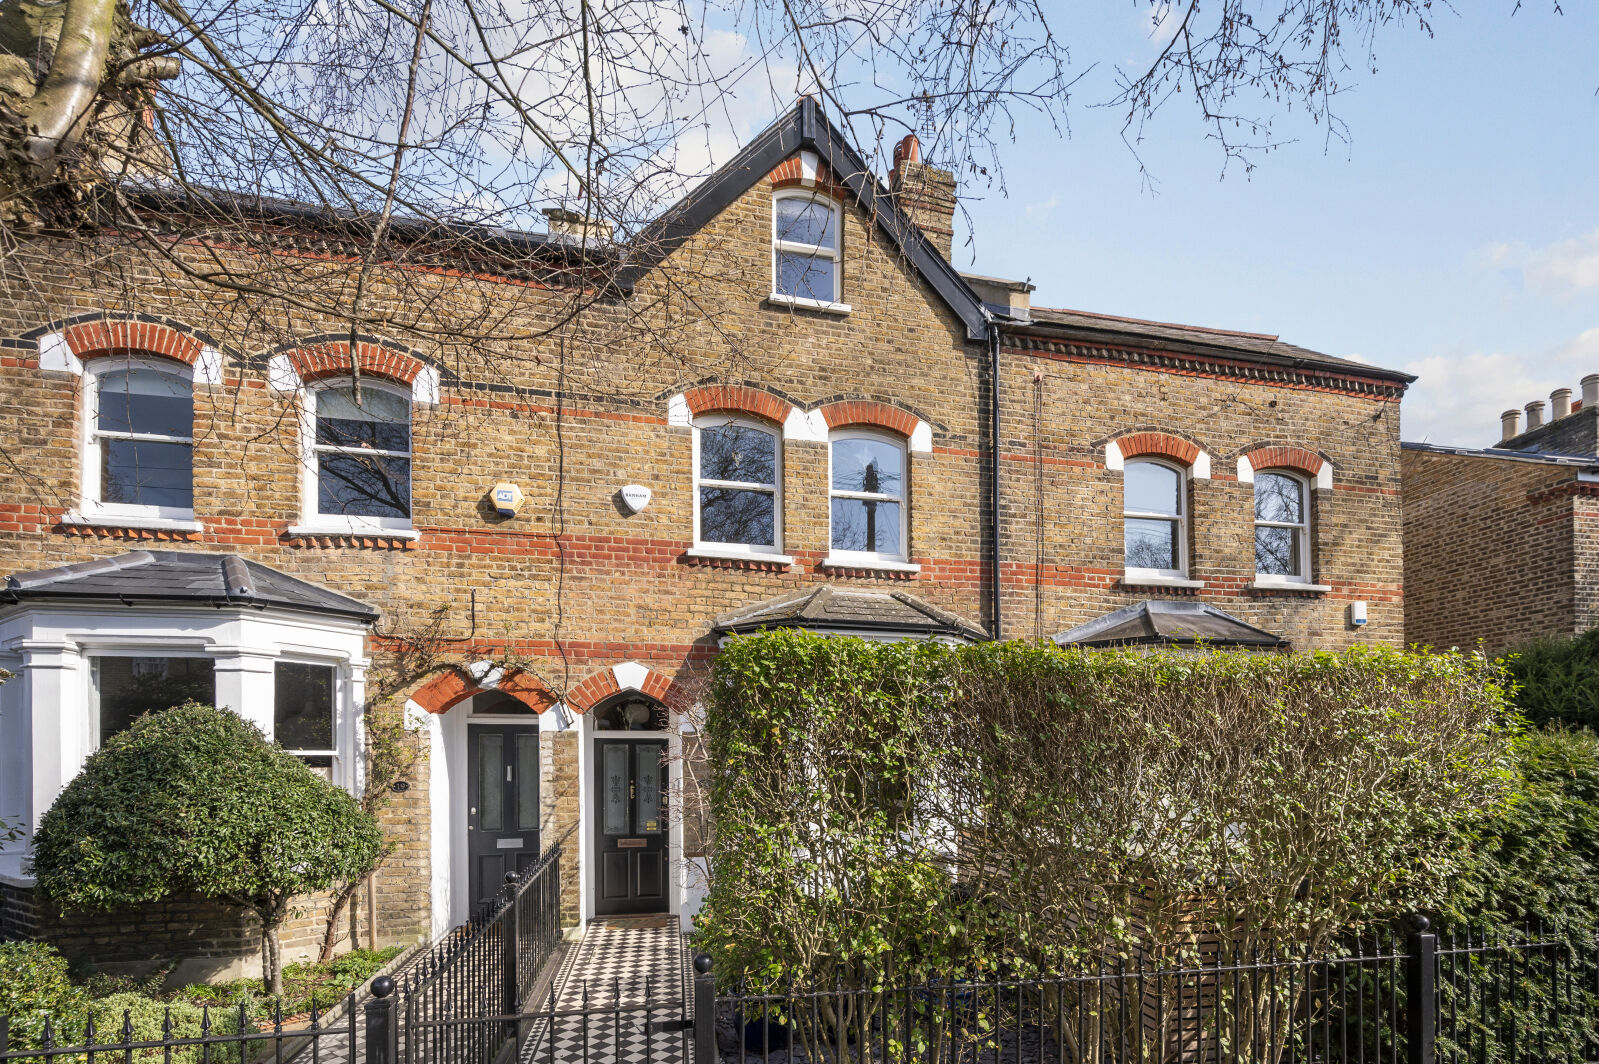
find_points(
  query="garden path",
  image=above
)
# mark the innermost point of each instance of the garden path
(603, 1015)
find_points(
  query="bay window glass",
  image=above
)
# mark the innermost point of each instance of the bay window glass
(303, 707)
(867, 495)
(140, 454)
(126, 688)
(1282, 527)
(805, 248)
(1153, 519)
(737, 497)
(362, 454)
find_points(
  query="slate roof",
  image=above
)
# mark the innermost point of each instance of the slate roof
(1256, 347)
(806, 128)
(1165, 623)
(181, 576)
(833, 609)
(1586, 462)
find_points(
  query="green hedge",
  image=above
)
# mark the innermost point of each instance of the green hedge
(35, 984)
(906, 811)
(1557, 679)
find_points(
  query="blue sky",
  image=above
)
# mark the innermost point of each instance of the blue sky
(1455, 236)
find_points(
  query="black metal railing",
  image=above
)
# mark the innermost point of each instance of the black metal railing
(223, 1036)
(1400, 1000)
(487, 967)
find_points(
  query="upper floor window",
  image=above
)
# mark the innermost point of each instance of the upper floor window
(1154, 519)
(1282, 527)
(867, 490)
(737, 478)
(805, 249)
(139, 453)
(360, 468)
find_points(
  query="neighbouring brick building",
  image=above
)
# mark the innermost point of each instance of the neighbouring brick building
(552, 544)
(1502, 543)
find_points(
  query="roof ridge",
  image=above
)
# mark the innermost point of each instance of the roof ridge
(38, 577)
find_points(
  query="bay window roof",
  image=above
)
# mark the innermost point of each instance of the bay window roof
(1160, 622)
(831, 609)
(174, 576)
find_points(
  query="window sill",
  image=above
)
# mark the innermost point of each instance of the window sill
(801, 302)
(1290, 585)
(736, 559)
(324, 536)
(875, 565)
(134, 527)
(1182, 583)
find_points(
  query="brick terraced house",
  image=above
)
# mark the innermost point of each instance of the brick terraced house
(1502, 542)
(205, 513)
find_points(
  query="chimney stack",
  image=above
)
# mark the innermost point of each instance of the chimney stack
(1509, 425)
(925, 193)
(1559, 403)
(562, 222)
(1534, 414)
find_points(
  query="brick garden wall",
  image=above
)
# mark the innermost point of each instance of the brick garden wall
(573, 585)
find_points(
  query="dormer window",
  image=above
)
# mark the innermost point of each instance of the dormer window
(806, 260)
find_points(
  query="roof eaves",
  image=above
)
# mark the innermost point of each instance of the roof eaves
(1505, 454)
(1209, 349)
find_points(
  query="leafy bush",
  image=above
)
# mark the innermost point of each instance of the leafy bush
(891, 813)
(138, 1018)
(1558, 679)
(34, 984)
(194, 799)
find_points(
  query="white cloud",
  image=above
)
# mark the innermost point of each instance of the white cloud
(1560, 269)
(1458, 398)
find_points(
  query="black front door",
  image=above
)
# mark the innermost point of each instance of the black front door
(630, 826)
(502, 797)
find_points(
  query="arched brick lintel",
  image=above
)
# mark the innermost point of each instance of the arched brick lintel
(628, 676)
(106, 337)
(736, 398)
(332, 359)
(1279, 457)
(806, 170)
(1159, 445)
(865, 412)
(452, 687)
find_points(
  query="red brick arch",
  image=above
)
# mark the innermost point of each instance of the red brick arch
(452, 687)
(332, 359)
(847, 412)
(738, 398)
(1279, 457)
(103, 338)
(602, 685)
(1158, 444)
(790, 173)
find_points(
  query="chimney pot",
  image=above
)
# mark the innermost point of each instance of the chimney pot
(1559, 403)
(1590, 389)
(563, 222)
(1509, 424)
(1534, 414)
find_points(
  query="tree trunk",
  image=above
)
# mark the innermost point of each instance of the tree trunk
(55, 116)
(330, 934)
(272, 952)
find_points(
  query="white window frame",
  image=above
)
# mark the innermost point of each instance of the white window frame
(339, 716)
(867, 557)
(835, 254)
(1133, 573)
(316, 521)
(753, 550)
(1305, 576)
(92, 505)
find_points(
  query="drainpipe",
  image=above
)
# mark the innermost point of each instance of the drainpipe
(993, 474)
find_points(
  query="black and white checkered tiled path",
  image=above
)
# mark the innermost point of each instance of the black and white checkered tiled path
(618, 998)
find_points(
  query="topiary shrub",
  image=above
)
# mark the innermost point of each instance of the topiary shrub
(34, 985)
(1557, 679)
(194, 800)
